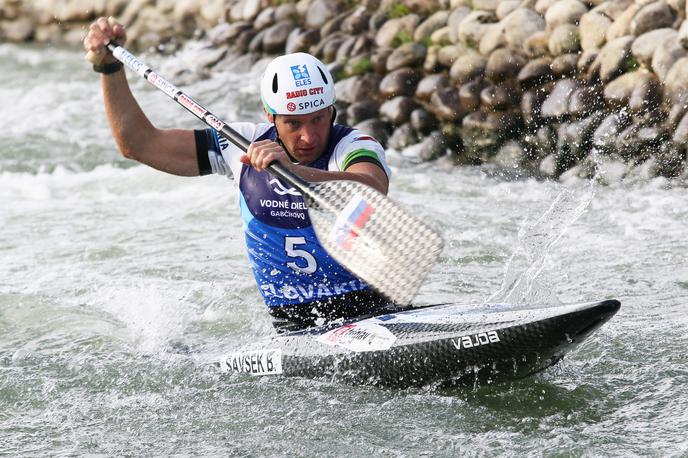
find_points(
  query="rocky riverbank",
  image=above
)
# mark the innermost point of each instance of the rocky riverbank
(557, 88)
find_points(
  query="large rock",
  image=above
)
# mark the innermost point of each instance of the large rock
(423, 121)
(622, 23)
(584, 101)
(402, 81)
(393, 30)
(618, 92)
(521, 24)
(564, 66)
(565, 12)
(407, 55)
(506, 7)
(498, 97)
(301, 40)
(614, 58)
(492, 40)
(469, 94)
(398, 110)
(376, 128)
(537, 45)
(604, 137)
(474, 26)
(564, 40)
(321, 11)
(467, 68)
(683, 34)
(653, 16)
(427, 27)
(441, 36)
(17, 31)
(484, 132)
(360, 111)
(593, 29)
(676, 84)
(403, 136)
(535, 72)
(276, 37)
(503, 64)
(645, 45)
(265, 19)
(455, 18)
(358, 88)
(357, 22)
(446, 105)
(664, 58)
(556, 105)
(531, 103)
(447, 55)
(429, 84)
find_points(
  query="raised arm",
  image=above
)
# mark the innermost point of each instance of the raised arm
(170, 150)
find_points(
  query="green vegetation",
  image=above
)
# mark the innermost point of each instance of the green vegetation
(399, 10)
(631, 63)
(401, 38)
(359, 66)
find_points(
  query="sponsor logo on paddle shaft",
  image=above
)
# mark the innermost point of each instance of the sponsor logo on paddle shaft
(254, 362)
(301, 75)
(129, 59)
(214, 122)
(190, 105)
(350, 222)
(475, 340)
(360, 337)
(162, 84)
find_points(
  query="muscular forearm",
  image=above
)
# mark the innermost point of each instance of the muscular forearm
(376, 179)
(130, 126)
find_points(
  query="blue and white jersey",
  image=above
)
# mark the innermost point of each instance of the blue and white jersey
(288, 262)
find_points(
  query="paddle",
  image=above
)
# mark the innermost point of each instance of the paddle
(361, 228)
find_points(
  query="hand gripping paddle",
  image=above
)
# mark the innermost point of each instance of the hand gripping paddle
(362, 229)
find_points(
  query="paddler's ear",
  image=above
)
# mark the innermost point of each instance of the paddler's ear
(270, 116)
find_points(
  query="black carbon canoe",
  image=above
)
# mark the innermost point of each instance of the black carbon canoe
(447, 344)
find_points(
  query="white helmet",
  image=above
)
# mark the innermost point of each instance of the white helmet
(296, 84)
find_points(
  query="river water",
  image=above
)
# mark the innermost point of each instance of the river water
(118, 284)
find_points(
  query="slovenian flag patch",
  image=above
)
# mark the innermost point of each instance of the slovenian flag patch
(350, 221)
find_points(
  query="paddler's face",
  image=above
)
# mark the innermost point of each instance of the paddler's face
(304, 136)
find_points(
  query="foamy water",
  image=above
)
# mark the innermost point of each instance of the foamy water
(118, 283)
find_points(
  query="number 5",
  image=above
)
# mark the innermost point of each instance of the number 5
(289, 246)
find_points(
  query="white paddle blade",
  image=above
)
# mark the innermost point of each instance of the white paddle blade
(372, 236)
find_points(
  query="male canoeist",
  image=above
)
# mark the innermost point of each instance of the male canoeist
(300, 283)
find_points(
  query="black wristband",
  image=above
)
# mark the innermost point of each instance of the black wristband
(107, 69)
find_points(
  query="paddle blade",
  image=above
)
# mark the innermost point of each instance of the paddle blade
(373, 237)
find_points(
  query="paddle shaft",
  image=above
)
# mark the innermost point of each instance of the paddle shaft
(195, 108)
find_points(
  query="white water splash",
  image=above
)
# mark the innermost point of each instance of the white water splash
(533, 284)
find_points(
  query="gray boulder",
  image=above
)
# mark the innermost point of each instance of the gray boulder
(521, 24)
(391, 31)
(431, 24)
(467, 68)
(535, 72)
(407, 55)
(429, 84)
(446, 105)
(556, 105)
(398, 110)
(399, 82)
(565, 12)
(656, 15)
(503, 64)
(645, 45)
(474, 26)
(564, 39)
(593, 30)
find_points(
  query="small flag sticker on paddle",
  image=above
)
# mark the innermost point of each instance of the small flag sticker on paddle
(350, 221)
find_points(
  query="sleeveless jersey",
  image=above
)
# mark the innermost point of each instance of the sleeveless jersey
(288, 262)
